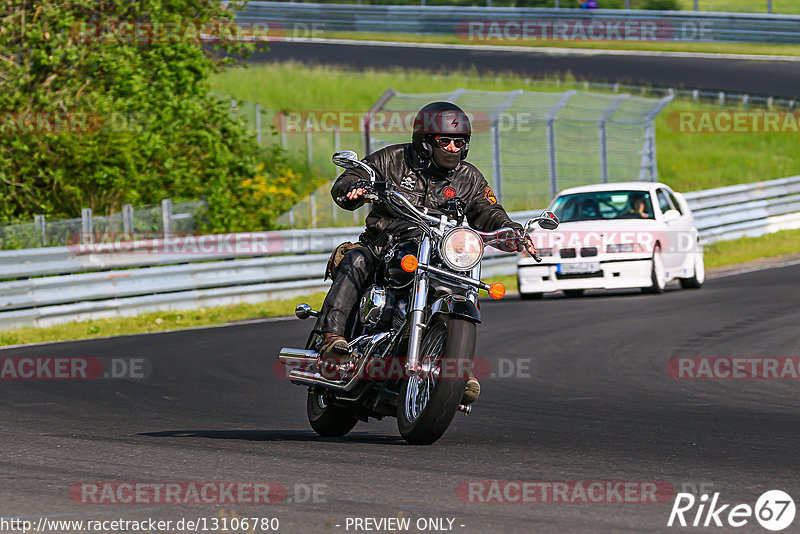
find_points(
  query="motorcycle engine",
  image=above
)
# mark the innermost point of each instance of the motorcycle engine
(373, 305)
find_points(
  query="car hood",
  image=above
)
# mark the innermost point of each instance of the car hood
(610, 225)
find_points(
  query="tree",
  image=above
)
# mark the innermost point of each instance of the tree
(104, 103)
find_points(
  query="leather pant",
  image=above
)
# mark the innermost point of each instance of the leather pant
(351, 279)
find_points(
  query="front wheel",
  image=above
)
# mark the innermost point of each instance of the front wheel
(327, 420)
(658, 275)
(429, 400)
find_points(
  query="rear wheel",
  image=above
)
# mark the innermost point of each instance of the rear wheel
(573, 293)
(429, 400)
(328, 420)
(658, 274)
(696, 281)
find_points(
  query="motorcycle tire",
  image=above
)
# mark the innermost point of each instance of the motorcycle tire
(451, 342)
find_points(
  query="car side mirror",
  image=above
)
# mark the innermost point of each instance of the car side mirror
(671, 215)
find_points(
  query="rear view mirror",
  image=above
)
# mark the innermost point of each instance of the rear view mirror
(548, 220)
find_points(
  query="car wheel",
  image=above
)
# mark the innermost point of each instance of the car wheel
(696, 281)
(573, 293)
(531, 296)
(657, 274)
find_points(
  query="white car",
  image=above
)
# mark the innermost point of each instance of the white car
(614, 236)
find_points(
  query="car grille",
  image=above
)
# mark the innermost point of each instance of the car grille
(588, 251)
(567, 252)
(562, 276)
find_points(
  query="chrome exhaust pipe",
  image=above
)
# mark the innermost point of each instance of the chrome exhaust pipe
(302, 358)
(305, 361)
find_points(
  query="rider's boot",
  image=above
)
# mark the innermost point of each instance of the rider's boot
(333, 345)
(471, 392)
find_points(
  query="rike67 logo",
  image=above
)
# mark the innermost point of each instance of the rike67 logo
(774, 510)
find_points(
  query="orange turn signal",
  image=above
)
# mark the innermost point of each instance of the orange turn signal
(497, 290)
(409, 263)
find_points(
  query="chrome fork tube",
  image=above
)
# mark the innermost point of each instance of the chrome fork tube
(418, 308)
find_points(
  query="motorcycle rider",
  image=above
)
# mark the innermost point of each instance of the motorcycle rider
(430, 172)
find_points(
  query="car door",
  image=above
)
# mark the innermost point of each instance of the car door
(675, 253)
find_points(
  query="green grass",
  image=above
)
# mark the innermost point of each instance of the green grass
(654, 46)
(686, 161)
(784, 7)
(726, 253)
(717, 255)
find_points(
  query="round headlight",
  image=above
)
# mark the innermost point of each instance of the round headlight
(462, 249)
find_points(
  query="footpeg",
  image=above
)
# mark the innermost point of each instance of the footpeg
(467, 409)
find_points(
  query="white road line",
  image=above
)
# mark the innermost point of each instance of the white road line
(548, 50)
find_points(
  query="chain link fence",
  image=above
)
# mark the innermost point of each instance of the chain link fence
(529, 145)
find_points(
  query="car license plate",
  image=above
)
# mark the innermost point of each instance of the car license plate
(579, 268)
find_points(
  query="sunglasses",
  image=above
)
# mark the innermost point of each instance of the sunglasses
(444, 142)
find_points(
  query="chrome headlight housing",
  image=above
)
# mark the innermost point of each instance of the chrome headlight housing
(461, 249)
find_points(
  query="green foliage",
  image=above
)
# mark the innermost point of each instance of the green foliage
(92, 117)
(662, 5)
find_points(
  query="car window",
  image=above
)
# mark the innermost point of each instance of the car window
(603, 205)
(663, 201)
(675, 202)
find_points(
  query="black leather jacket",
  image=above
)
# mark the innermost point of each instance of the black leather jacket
(400, 165)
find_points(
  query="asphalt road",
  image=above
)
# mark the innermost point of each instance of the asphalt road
(589, 400)
(773, 78)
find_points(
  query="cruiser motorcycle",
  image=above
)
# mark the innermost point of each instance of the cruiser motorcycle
(414, 333)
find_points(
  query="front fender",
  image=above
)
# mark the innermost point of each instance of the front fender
(456, 306)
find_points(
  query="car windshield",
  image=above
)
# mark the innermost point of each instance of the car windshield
(603, 205)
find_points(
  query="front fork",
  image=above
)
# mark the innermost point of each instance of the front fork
(418, 308)
(421, 283)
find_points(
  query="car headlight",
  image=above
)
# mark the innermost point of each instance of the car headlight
(462, 249)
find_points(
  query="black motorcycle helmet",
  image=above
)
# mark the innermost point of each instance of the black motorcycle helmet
(440, 118)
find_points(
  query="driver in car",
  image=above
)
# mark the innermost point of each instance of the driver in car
(431, 173)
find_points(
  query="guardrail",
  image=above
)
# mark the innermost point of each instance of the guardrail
(188, 272)
(304, 19)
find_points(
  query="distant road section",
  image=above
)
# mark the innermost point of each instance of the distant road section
(773, 77)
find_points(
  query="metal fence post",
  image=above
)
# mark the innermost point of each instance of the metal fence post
(313, 200)
(39, 222)
(696, 7)
(283, 129)
(127, 218)
(551, 139)
(336, 147)
(603, 133)
(233, 108)
(166, 216)
(258, 124)
(497, 167)
(769, 6)
(86, 226)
